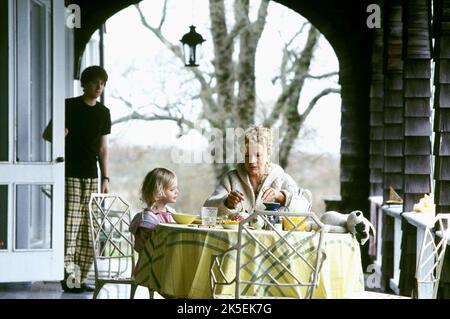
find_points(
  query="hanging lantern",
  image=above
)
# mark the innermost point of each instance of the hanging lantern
(191, 46)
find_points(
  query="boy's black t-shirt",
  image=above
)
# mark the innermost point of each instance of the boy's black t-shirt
(86, 124)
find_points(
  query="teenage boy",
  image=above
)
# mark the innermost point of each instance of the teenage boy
(87, 126)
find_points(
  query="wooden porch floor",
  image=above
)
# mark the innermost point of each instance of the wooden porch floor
(52, 290)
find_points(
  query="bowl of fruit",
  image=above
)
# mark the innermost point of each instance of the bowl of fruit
(232, 222)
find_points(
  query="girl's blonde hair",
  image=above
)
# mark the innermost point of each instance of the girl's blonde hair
(155, 184)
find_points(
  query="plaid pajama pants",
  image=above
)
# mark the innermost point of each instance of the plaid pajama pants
(78, 257)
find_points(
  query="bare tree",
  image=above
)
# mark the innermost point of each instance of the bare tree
(228, 93)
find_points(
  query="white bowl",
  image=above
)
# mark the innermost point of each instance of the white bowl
(231, 226)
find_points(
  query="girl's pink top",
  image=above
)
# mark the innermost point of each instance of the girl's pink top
(147, 219)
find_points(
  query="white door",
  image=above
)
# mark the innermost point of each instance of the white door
(32, 84)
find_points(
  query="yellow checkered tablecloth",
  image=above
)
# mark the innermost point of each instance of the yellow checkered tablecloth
(176, 262)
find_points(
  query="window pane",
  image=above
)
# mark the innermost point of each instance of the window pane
(33, 216)
(4, 81)
(3, 217)
(34, 114)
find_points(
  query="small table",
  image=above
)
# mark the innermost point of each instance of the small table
(176, 261)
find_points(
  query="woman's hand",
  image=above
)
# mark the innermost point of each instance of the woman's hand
(270, 194)
(234, 198)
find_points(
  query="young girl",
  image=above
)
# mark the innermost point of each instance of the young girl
(158, 189)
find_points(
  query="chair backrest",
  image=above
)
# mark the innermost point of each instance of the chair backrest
(110, 218)
(431, 258)
(306, 193)
(286, 263)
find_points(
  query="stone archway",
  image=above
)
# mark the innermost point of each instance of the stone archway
(343, 23)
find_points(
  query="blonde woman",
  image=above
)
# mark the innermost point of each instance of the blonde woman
(159, 189)
(257, 180)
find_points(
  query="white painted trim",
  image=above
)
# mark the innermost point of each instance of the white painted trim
(398, 233)
(394, 286)
(10, 218)
(393, 210)
(420, 220)
(40, 264)
(376, 199)
(379, 258)
(22, 65)
(12, 30)
(441, 235)
(12, 89)
(27, 174)
(375, 209)
(26, 271)
(58, 93)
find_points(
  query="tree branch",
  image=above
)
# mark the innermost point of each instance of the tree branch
(259, 24)
(286, 56)
(127, 103)
(322, 76)
(153, 117)
(207, 97)
(314, 101)
(242, 22)
(301, 70)
(175, 49)
(296, 35)
(223, 58)
(163, 17)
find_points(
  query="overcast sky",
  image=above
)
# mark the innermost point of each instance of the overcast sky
(154, 64)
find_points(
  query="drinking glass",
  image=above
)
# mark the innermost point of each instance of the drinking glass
(209, 216)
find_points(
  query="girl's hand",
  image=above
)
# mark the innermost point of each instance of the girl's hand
(234, 198)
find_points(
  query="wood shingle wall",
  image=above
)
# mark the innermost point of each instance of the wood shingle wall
(442, 124)
(416, 98)
(442, 105)
(417, 126)
(393, 99)
(376, 115)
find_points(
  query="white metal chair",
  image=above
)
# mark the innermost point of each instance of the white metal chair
(114, 262)
(263, 266)
(431, 258)
(306, 193)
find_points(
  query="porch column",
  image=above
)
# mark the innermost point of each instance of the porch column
(416, 98)
(376, 147)
(442, 123)
(393, 100)
(417, 126)
(376, 115)
(392, 127)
